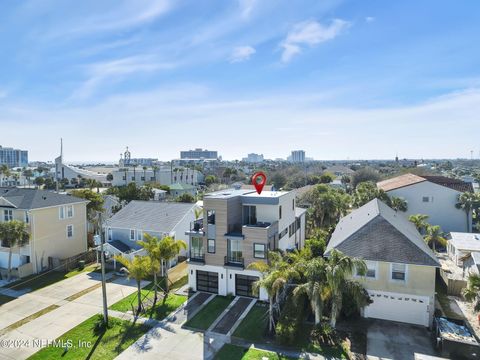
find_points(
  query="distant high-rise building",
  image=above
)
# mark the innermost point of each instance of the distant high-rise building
(253, 158)
(298, 156)
(13, 157)
(198, 154)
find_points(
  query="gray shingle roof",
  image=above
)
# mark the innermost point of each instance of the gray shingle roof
(34, 198)
(150, 216)
(377, 232)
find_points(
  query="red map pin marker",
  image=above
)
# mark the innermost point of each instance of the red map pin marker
(258, 180)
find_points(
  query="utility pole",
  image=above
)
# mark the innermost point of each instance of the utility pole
(102, 257)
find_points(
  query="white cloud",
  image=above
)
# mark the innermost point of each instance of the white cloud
(246, 7)
(369, 19)
(310, 33)
(117, 69)
(242, 53)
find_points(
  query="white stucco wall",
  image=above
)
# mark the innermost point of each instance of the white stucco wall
(441, 207)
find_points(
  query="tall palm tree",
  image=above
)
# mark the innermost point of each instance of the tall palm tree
(472, 291)
(151, 245)
(137, 269)
(434, 236)
(134, 172)
(315, 288)
(398, 204)
(168, 249)
(5, 172)
(339, 270)
(274, 276)
(155, 169)
(468, 202)
(13, 233)
(420, 222)
(145, 174)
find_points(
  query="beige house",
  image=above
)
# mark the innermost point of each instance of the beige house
(401, 267)
(239, 227)
(57, 224)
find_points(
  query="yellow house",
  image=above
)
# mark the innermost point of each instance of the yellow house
(57, 225)
(401, 267)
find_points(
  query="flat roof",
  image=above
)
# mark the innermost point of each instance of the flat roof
(465, 241)
(227, 193)
(266, 194)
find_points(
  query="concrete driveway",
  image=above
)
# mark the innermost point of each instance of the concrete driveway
(391, 340)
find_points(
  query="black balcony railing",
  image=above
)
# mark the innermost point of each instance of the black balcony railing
(237, 261)
(196, 226)
(197, 257)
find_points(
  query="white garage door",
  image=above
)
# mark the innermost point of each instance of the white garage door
(410, 309)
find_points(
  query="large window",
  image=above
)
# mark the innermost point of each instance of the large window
(61, 212)
(132, 235)
(249, 215)
(196, 247)
(399, 272)
(259, 251)
(235, 250)
(211, 246)
(8, 215)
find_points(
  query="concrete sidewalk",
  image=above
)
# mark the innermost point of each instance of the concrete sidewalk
(70, 313)
(54, 294)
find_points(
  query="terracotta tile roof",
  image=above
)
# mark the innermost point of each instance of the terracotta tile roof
(454, 184)
(399, 182)
(410, 179)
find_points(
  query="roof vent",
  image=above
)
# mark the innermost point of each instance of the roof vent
(44, 197)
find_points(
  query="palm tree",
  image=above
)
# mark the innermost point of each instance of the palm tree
(472, 291)
(398, 204)
(155, 169)
(134, 172)
(13, 233)
(468, 202)
(151, 245)
(315, 288)
(145, 173)
(137, 269)
(339, 270)
(420, 222)
(168, 249)
(274, 276)
(5, 172)
(434, 235)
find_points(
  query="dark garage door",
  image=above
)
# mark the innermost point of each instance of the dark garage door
(244, 285)
(207, 281)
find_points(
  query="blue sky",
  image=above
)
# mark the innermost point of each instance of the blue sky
(340, 79)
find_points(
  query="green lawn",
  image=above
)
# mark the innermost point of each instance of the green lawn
(232, 352)
(5, 299)
(162, 308)
(254, 328)
(209, 313)
(92, 342)
(38, 281)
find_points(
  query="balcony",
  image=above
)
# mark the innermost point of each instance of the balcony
(196, 257)
(236, 262)
(196, 228)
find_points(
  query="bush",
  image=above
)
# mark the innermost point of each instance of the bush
(286, 333)
(324, 334)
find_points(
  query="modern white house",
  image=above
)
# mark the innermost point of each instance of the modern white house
(435, 196)
(401, 267)
(162, 175)
(156, 218)
(240, 226)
